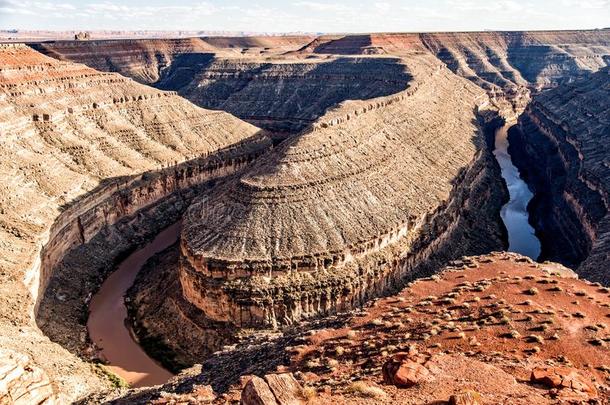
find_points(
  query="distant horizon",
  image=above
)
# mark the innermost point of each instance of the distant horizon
(63, 35)
(304, 16)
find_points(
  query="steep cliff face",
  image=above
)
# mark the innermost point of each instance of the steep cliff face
(507, 59)
(285, 241)
(497, 328)
(145, 60)
(74, 142)
(562, 147)
(363, 194)
(286, 95)
(506, 64)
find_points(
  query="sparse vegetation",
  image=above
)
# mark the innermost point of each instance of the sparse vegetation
(309, 393)
(535, 339)
(365, 390)
(115, 380)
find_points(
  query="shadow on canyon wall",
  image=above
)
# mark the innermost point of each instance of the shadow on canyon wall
(551, 172)
(281, 97)
(471, 235)
(95, 232)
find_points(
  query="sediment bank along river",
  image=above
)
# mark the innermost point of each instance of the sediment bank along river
(521, 235)
(108, 325)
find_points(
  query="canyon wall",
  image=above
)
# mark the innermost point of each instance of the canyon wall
(362, 195)
(508, 61)
(221, 73)
(77, 145)
(283, 96)
(145, 60)
(282, 242)
(562, 148)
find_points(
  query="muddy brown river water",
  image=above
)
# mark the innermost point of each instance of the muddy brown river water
(521, 235)
(108, 325)
(109, 328)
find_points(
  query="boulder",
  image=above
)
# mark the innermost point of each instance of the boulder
(286, 388)
(563, 378)
(257, 392)
(404, 372)
(274, 389)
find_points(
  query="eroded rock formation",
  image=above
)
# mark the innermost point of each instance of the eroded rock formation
(222, 73)
(284, 241)
(563, 148)
(497, 328)
(80, 150)
(22, 382)
(362, 194)
(146, 60)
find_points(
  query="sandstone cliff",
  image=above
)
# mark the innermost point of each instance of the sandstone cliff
(285, 241)
(145, 60)
(282, 95)
(563, 149)
(506, 64)
(72, 137)
(367, 192)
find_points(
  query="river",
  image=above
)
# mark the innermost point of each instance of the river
(110, 330)
(108, 325)
(521, 235)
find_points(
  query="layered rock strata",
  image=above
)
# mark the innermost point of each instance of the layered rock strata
(284, 95)
(221, 73)
(562, 147)
(80, 150)
(507, 64)
(88, 151)
(146, 60)
(290, 239)
(498, 328)
(22, 382)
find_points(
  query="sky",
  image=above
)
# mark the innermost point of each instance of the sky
(304, 15)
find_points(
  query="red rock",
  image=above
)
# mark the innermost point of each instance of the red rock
(204, 393)
(563, 378)
(403, 372)
(286, 388)
(411, 373)
(467, 397)
(257, 392)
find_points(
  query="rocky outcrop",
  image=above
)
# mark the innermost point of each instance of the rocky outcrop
(22, 382)
(147, 60)
(561, 147)
(339, 194)
(285, 96)
(505, 62)
(83, 150)
(497, 328)
(364, 194)
(275, 389)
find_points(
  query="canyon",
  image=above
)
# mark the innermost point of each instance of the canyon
(351, 166)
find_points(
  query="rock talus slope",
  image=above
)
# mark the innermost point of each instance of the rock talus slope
(66, 128)
(362, 194)
(506, 64)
